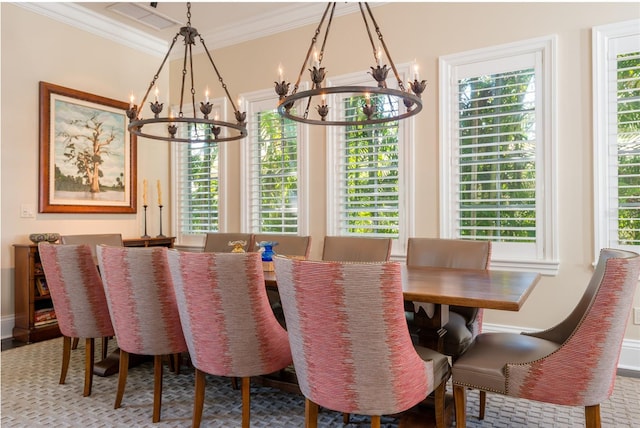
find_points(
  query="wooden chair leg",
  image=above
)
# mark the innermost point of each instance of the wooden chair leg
(345, 418)
(592, 416)
(74, 346)
(89, 355)
(375, 421)
(105, 347)
(66, 356)
(198, 402)
(157, 387)
(246, 401)
(310, 414)
(460, 400)
(439, 395)
(483, 404)
(122, 377)
(234, 382)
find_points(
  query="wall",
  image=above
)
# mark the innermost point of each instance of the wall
(36, 48)
(420, 31)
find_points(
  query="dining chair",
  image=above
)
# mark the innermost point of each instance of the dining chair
(78, 300)
(228, 324)
(351, 348)
(92, 240)
(218, 242)
(464, 322)
(573, 363)
(143, 308)
(288, 245)
(356, 249)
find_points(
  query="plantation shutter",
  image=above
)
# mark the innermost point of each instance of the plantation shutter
(273, 171)
(368, 169)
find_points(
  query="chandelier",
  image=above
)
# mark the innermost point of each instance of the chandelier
(179, 127)
(375, 104)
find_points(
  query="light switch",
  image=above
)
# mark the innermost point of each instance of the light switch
(27, 211)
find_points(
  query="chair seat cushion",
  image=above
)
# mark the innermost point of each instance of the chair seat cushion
(482, 366)
(441, 368)
(458, 337)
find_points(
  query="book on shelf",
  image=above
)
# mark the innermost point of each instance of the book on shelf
(44, 316)
(43, 288)
(46, 322)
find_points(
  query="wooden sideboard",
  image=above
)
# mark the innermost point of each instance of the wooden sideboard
(32, 306)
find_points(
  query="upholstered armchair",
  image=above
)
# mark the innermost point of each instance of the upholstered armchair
(218, 242)
(573, 363)
(356, 249)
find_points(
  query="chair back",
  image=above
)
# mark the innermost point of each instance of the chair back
(288, 245)
(356, 249)
(226, 318)
(218, 242)
(76, 290)
(141, 299)
(591, 338)
(358, 361)
(451, 253)
(93, 240)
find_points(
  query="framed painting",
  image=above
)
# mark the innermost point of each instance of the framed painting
(87, 155)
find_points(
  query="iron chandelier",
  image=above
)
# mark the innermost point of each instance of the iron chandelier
(181, 128)
(378, 104)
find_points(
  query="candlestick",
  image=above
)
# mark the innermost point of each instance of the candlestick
(159, 194)
(145, 222)
(160, 235)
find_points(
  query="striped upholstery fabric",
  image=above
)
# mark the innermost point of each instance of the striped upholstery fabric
(573, 363)
(76, 290)
(351, 347)
(79, 302)
(141, 300)
(227, 321)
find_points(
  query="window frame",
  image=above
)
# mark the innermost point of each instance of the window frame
(406, 164)
(250, 101)
(197, 239)
(543, 255)
(606, 40)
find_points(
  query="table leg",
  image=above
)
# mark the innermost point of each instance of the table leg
(430, 330)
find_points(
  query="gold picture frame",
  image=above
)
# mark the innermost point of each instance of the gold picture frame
(87, 155)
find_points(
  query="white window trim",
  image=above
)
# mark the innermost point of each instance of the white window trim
(602, 38)
(546, 259)
(303, 164)
(197, 240)
(406, 151)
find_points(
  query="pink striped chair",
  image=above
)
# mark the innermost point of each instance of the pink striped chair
(79, 302)
(227, 321)
(573, 363)
(351, 348)
(143, 307)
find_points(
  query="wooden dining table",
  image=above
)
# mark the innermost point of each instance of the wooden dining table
(442, 287)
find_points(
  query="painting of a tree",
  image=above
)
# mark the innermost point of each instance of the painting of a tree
(87, 154)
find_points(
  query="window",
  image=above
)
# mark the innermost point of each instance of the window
(497, 155)
(368, 186)
(616, 71)
(274, 166)
(199, 187)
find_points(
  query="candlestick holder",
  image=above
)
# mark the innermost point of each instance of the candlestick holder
(145, 223)
(160, 235)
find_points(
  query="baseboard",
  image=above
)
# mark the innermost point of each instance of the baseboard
(6, 326)
(629, 355)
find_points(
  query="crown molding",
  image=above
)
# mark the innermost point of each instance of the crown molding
(87, 20)
(284, 19)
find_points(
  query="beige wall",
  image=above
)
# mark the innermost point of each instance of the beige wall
(421, 31)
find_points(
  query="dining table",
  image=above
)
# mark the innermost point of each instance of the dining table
(433, 290)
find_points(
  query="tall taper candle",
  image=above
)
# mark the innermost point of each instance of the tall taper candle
(144, 192)
(159, 194)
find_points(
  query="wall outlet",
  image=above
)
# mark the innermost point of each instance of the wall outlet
(636, 316)
(27, 211)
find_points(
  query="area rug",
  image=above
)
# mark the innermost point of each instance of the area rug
(32, 397)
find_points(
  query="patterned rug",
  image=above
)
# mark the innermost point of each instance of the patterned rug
(32, 397)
